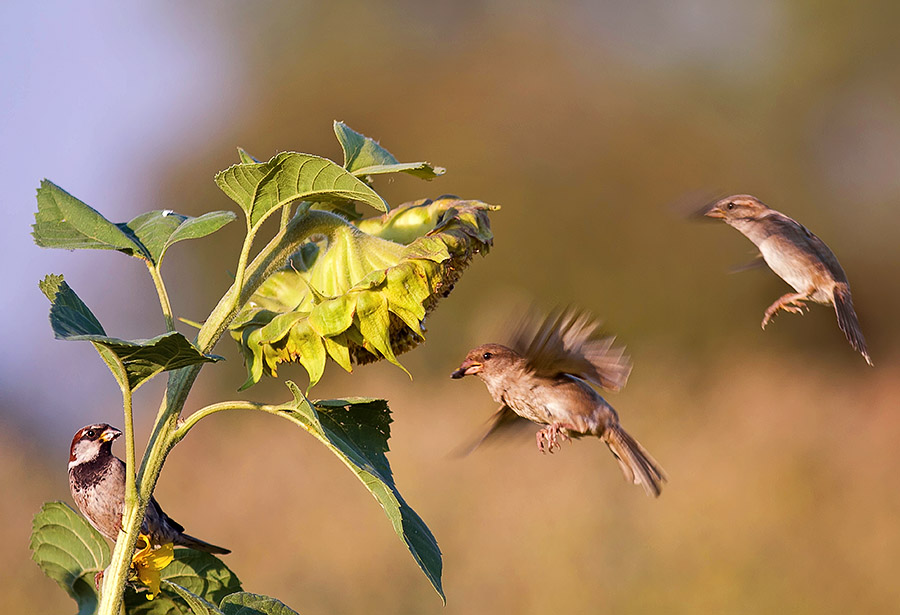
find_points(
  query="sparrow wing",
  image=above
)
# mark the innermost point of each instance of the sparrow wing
(802, 237)
(567, 341)
(758, 262)
(504, 422)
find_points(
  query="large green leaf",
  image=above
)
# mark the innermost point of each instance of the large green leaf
(364, 156)
(159, 229)
(71, 319)
(70, 552)
(192, 582)
(244, 603)
(196, 604)
(62, 221)
(357, 431)
(262, 188)
(202, 574)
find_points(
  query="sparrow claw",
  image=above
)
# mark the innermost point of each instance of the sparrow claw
(552, 436)
(788, 303)
(98, 579)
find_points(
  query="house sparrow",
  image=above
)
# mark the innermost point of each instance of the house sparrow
(798, 257)
(544, 377)
(97, 481)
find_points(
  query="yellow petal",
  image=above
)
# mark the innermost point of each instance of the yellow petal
(148, 562)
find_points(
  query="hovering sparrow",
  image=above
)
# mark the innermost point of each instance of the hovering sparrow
(543, 377)
(97, 481)
(798, 257)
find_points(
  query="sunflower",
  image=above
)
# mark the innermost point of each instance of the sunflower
(360, 291)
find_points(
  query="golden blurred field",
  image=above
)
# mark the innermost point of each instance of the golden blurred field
(781, 498)
(593, 125)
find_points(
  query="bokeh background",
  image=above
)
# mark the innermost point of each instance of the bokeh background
(594, 125)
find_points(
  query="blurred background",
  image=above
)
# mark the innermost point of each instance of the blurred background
(594, 125)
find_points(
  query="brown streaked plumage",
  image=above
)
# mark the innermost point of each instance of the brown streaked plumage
(97, 481)
(798, 257)
(544, 378)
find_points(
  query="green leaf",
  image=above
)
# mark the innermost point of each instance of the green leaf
(172, 600)
(70, 552)
(246, 156)
(422, 170)
(199, 580)
(136, 603)
(262, 188)
(202, 574)
(72, 320)
(254, 604)
(68, 313)
(159, 229)
(62, 221)
(364, 156)
(357, 431)
(198, 605)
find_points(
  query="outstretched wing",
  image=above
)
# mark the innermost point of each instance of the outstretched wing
(504, 422)
(567, 341)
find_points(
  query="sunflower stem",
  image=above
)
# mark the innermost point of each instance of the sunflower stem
(117, 573)
(166, 431)
(163, 296)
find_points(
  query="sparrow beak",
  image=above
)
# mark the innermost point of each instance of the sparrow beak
(466, 369)
(714, 212)
(111, 433)
(710, 210)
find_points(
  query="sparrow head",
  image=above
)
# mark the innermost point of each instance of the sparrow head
(736, 207)
(487, 361)
(91, 442)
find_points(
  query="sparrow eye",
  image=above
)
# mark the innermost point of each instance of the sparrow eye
(486, 356)
(90, 433)
(730, 205)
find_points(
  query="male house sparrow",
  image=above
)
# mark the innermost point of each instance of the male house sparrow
(798, 257)
(544, 378)
(97, 481)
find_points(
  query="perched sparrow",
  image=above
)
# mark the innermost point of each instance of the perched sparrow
(798, 257)
(97, 481)
(544, 378)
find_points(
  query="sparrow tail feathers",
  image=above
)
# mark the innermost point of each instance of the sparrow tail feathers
(847, 321)
(636, 463)
(185, 540)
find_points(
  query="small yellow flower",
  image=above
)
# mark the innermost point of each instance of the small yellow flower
(148, 561)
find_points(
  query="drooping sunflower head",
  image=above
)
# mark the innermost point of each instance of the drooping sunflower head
(360, 292)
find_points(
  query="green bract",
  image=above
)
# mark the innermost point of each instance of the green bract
(360, 291)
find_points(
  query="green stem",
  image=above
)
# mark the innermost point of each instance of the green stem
(285, 216)
(270, 259)
(163, 296)
(206, 411)
(240, 271)
(166, 431)
(117, 572)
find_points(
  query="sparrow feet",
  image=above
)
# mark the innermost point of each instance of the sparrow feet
(549, 438)
(788, 303)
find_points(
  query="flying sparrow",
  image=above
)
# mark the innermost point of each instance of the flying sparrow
(97, 481)
(798, 257)
(544, 377)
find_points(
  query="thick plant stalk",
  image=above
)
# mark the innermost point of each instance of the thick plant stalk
(164, 437)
